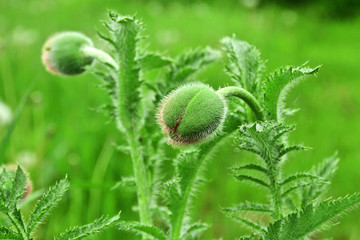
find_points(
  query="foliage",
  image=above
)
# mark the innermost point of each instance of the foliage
(268, 140)
(176, 192)
(18, 228)
(165, 201)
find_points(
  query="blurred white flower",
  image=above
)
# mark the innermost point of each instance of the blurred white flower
(5, 114)
(24, 36)
(27, 159)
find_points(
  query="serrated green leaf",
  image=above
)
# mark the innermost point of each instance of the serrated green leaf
(153, 60)
(18, 187)
(46, 204)
(273, 231)
(251, 179)
(246, 237)
(95, 227)
(312, 218)
(246, 66)
(298, 176)
(278, 83)
(106, 38)
(190, 62)
(252, 225)
(194, 231)
(5, 189)
(124, 182)
(249, 167)
(303, 185)
(6, 233)
(266, 140)
(326, 170)
(249, 206)
(292, 148)
(3, 207)
(140, 228)
(171, 193)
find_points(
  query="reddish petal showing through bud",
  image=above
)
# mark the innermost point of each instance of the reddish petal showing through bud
(190, 114)
(45, 57)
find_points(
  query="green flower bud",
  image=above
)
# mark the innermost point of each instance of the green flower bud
(63, 53)
(191, 113)
(11, 169)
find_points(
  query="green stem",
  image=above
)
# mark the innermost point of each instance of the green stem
(127, 101)
(138, 165)
(273, 173)
(204, 156)
(140, 178)
(244, 95)
(19, 227)
(99, 55)
(177, 226)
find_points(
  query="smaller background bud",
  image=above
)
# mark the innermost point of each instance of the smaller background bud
(62, 53)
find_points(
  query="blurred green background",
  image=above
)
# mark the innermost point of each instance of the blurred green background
(60, 132)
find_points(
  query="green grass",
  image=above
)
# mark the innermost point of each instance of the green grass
(60, 126)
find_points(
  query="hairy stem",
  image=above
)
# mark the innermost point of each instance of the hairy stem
(140, 178)
(127, 103)
(273, 174)
(99, 55)
(204, 155)
(246, 97)
(177, 226)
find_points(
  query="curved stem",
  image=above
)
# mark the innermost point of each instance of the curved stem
(99, 55)
(244, 95)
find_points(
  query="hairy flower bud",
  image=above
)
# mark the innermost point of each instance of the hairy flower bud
(191, 113)
(63, 53)
(11, 169)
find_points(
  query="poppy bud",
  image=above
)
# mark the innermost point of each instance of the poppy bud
(191, 113)
(64, 53)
